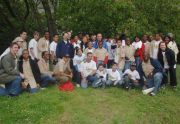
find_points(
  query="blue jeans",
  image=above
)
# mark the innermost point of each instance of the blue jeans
(46, 79)
(127, 65)
(12, 88)
(155, 81)
(91, 79)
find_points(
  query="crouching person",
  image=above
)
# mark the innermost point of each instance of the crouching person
(9, 74)
(131, 77)
(88, 71)
(46, 75)
(113, 76)
(30, 71)
(101, 74)
(152, 75)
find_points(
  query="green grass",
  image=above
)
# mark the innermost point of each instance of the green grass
(92, 106)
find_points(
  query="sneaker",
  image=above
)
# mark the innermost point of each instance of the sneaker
(174, 88)
(152, 94)
(147, 91)
(78, 85)
(42, 88)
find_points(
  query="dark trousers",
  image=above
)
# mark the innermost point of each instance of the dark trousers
(173, 78)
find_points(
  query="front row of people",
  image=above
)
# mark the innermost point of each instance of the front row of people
(31, 75)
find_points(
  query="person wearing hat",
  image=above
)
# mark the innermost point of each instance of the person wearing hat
(19, 42)
(62, 71)
(131, 77)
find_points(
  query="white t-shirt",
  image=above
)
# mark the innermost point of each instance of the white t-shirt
(155, 49)
(33, 45)
(134, 74)
(113, 75)
(110, 51)
(87, 67)
(166, 66)
(102, 73)
(137, 45)
(53, 46)
(78, 59)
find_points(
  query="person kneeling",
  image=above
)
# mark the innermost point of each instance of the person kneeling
(131, 77)
(46, 75)
(88, 70)
(30, 71)
(63, 74)
(113, 76)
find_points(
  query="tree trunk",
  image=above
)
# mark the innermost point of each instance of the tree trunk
(51, 22)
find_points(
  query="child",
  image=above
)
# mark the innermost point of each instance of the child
(120, 56)
(113, 75)
(131, 77)
(102, 77)
(78, 58)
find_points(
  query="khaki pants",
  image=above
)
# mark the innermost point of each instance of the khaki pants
(62, 79)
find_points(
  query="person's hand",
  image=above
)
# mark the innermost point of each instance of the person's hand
(129, 76)
(23, 85)
(22, 75)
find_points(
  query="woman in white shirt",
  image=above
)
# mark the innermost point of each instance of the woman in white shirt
(78, 58)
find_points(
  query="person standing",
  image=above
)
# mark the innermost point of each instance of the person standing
(53, 47)
(43, 44)
(33, 50)
(166, 58)
(99, 39)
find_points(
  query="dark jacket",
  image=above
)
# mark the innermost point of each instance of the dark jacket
(34, 68)
(170, 56)
(63, 49)
(8, 72)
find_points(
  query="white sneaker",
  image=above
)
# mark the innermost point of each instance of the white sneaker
(146, 91)
(77, 85)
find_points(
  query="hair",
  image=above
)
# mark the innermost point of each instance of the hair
(101, 65)
(89, 53)
(114, 63)
(25, 50)
(46, 32)
(77, 49)
(166, 37)
(43, 53)
(55, 35)
(13, 44)
(36, 33)
(21, 31)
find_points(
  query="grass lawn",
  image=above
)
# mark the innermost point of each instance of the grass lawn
(92, 106)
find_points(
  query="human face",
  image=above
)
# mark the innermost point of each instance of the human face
(157, 37)
(20, 43)
(90, 45)
(14, 49)
(119, 43)
(128, 41)
(146, 57)
(99, 37)
(101, 68)
(36, 36)
(46, 56)
(66, 59)
(85, 40)
(114, 67)
(93, 37)
(69, 35)
(144, 38)
(79, 52)
(100, 44)
(56, 38)
(137, 39)
(65, 36)
(76, 38)
(23, 35)
(46, 35)
(89, 57)
(167, 40)
(133, 67)
(163, 46)
(25, 55)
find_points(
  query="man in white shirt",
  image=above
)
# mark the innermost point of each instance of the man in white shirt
(33, 46)
(154, 46)
(131, 77)
(53, 46)
(88, 70)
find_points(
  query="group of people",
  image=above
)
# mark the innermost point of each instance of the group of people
(86, 60)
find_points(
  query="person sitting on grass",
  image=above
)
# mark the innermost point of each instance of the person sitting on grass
(78, 58)
(101, 74)
(131, 77)
(113, 75)
(9, 73)
(46, 74)
(152, 75)
(88, 70)
(31, 72)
